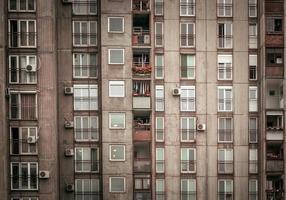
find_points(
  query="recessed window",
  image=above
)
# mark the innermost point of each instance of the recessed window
(224, 8)
(86, 128)
(116, 120)
(84, 7)
(225, 130)
(224, 67)
(224, 98)
(225, 189)
(253, 98)
(187, 66)
(116, 89)
(252, 32)
(117, 184)
(116, 56)
(85, 97)
(84, 33)
(115, 24)
(87, 189)
(224, 35)
(188, 160)
(86, 159)
(274, 25)
(188, 98)
(188, 189)
(85, 65)
(117, 152)
(22, 5)
(187, 35)
(187, 7)
(252, 67)
(225, 161)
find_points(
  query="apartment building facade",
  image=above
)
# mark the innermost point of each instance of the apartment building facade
(142, 99)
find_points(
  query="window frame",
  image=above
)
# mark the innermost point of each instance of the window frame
(90, 163)
(159, 100)
(18, 7)
(253, 160)
(77, 103)
(227, 38)
(250, 193)
(109, 56)
(157, 66)
(89, 121)
(122, 23)
(253, 102)
(252, 6)
(256, 130)
(160, 162)
(225, 119)
(251, 37)
(224, 88)
(192, 4)
(163, 129)
(124, 120)
(189, 192)
(117, 177)
(224, 4)
(250, 64)
(117, 83)
(81, 65)
(88, 34)
(224, 192)
(88, 4)
(189, 89)
(89, 193)
(225, 67)
(189, 119)
(188, 68)
(193, 34)
(188, 150)
(157, 34)
(228, 155)
(117, 159)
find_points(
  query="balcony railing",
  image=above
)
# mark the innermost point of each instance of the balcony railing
(85, 39)
(23, 112)
(87, 195)
(21, 75)
(188, 195)
(86, 166)
(141, 69)
(225, 195)
(274, 133)
(274, 165)
(158, 40)
(188, 166)
(160, 166)
(141, 37)
(275, 195)
(225, 135)
(85, 71)
(188, 72)
(141, 5)
(253, 195)
(86, 134)
(160, 195)
(225, 41)
(188, 135)
(187, 40)
(252, 135)
(253, 166)
(146, 195)
(22, 146)
(142, 165)
(225, 167)
(22, 39)
(224, 9)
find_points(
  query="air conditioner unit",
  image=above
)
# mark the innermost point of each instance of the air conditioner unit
(68, 90)
(31, 139)
(176, 92)
(201, 127)
(70, 187)
(31, 68)
(146, 39)
(67, 1)
(69, 152)
(68, 124)
(44, 174)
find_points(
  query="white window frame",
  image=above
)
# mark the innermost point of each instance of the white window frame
(252, 6)
(188, 68)
(156, 66)
(256, 129)
(87, 193)
(189, 12)
(88, 39)
(85, 3)
(253, 160)
(188, 120)
(91, 99)
(18, 7)
(158, 33)
(250, 192)
(163, 129)
(89, 66)
(224, 65)
(117, 177)
(24, 140)
(156, 2)
(188, 35)
(24, 198)
(89, 128)
(191, 193)
(225, 192)
(253, 102)
(252, 39)
(253, 62)
(160, 161)
(110, 152)
(116, 83)
(227, 38)
(224, 4)
(224, 88)
(90, 162)
(110, 31)
(160, 100)
(116, 113)
(225, 119)
(188, 98)
(109, 56)
(160, 188)
(228, 157)
(20, 177)
(188, 160)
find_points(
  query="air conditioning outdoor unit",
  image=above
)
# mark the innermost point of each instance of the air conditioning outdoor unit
(31, 139)
(201, 127)
(31, 68)
(44, 174)
(176, 92)
(70, 187)
(69, 152)
(69, 124)
(67, 1)
(68, 90)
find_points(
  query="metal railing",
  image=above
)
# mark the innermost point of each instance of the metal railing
(141, 37)
(188, 7)
(188, 195)
(224, 41)
(86, 166)
(188, 134)
(225, 167)
(22, 39)
(187, 40)
(90, 71)
(23, 112)
(275, 195)
(188, 166)
(85, 7)
(186, 70)
(225, 135)
(224, 9)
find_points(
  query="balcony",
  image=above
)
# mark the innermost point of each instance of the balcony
(141, 63)
(141, 95)
(141, 30)
(142, 127)
(274, 63)
(274, 185)
(146, 195)
(274, 98)
(141, 5)
(274, 125)
(142, 157)
(274, 165)
(274, 157)
(142, 165)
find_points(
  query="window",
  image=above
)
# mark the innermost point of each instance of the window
(86, 159)
(252, 8)
(187, 8)
(116, 56)
(188, 129)
(116, 89)
(116, 120)
(22, 5)
(85, 97)
(86, 128)
(253, 161)
(84, 33)
(117, 152)
(188, 66)
(224, 129)
(225, 161)
(188, 189)
(253, 130)
(84, 65)
(225, 35)
(24, 176)
(187, 34)
(159, 129)
(274, 25)
(116, 184)
(160, 189)
(22, 33)
(253, 107)
(141, 184)
(253, 189)
(188, 158)
(225, 98)
(23, 106)
(187, 98)
(87, 189)
(224, 8)
(159, 96)
(159, 66)
(19, 143)
(159, 33)
(225, 189)
(252, 42)
(252, 67)
(160, 160)
(274, 57)
(224, 67)
(115, 24)
(24, 198)
(19, 69)
(84, 7)
(159, 7)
